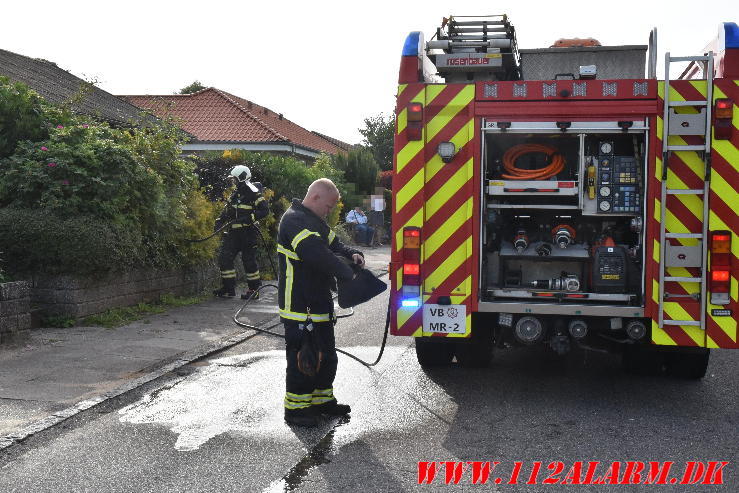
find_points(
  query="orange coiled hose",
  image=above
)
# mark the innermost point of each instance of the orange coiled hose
(556, 165)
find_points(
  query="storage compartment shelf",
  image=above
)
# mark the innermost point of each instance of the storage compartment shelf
(532, 187)
(603, 263)
(533, 206)
(559, 295)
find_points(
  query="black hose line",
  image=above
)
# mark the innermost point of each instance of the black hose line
(267, 330)
(211, 236)
(266, 249)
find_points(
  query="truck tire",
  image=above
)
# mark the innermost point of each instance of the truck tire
(477, 352)
(643, 359)
(689, 363)
(433, 353)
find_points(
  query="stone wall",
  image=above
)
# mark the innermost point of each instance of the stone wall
(15, 307)
(79, 297)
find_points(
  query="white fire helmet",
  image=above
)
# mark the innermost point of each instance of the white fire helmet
(243, 174)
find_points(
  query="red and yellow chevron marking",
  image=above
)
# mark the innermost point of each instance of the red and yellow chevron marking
(721, 332)
(683, 215)
(438, 197)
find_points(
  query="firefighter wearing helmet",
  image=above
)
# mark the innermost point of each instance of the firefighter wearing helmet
(244, 208)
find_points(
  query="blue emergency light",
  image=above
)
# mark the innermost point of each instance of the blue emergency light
(410, 303)
(411, 46)
(730, 35)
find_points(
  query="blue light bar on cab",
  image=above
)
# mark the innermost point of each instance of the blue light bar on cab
(412, 44)
(730, 36)
(410, 303)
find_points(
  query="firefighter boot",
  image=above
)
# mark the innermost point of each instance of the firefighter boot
(250, 294)
(253, 286)
(228, 288)
(305, 417)
(332, 408)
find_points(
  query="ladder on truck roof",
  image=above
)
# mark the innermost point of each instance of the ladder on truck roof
(475, 44)
(680, 124)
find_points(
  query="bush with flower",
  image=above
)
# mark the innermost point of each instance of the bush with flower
(129, 185)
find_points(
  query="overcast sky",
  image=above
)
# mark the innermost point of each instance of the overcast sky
(325, 65)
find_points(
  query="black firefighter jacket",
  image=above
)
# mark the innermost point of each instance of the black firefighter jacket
(308, 265)
(244, 207)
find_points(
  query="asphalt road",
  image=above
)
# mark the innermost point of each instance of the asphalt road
(216, 425)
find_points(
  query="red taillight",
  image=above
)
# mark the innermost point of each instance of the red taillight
(411, 256)
(411, 238)
(720, 267)
(724, 108)
(720, 242)
(415, 112)
(723, 113)
(717, 275)
(414, 130)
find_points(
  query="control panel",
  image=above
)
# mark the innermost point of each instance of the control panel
(619, 182)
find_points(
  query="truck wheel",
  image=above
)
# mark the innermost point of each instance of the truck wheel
(688, 363)
(643, 359)
(478, 352)
(434, 353)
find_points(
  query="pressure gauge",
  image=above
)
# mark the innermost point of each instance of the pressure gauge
(605, 191)
(606, 147)
(604, 205)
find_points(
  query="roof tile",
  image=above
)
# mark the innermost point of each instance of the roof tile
(217, 116)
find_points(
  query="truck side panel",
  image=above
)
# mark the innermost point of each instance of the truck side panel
(721, 332)
(408, 178)
(450, 198)
(684, 214)
(441, 198)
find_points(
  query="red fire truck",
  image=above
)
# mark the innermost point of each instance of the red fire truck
(564, 196)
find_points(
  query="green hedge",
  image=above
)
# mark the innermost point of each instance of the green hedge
(32, 240)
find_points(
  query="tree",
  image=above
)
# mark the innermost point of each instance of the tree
(378, 135)
(360, 172)
(194, 87)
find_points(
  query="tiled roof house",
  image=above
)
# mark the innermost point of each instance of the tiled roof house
(219, 121)
(58, 86)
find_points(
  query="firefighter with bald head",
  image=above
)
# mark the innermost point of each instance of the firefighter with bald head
(244, 208)
(309, 261)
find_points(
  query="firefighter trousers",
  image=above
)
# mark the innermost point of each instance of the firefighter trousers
(303, 391)
(237, 240)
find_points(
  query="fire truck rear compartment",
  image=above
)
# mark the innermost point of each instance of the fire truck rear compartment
(563, 252)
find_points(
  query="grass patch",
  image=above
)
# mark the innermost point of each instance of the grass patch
(115, 317)
(172, 300)
(58, 322)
